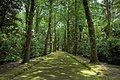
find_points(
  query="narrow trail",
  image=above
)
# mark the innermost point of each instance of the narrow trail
(59, 66)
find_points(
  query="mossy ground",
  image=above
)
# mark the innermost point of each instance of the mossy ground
(57, 66)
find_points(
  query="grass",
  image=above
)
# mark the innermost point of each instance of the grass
(58, 66)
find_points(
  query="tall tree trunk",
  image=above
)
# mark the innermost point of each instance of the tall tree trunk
(27, 9)
(94, 58)
(108, 17)
(49, 32)
(38, 19)
(80, 32)
(26, 48)
(68, 31)
(55, 35)
(76, 30)
(46, 42)
(50, 24)
(37, 22)
(65, 38)
(58, 41)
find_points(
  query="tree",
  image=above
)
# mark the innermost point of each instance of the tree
(49, 33)
(55, 35)
(26, 47)
(108, 17)
(93, 58)
(76, 29)
(68, 29)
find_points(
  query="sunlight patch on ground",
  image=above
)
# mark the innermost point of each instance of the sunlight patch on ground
(35, 78)
(87, 72)
(24, 76)
(52, 75)
(99, 69)
(37, 72)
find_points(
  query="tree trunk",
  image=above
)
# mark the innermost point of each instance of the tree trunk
(38, 19)
(94, 58)
(76, 30)
(108, 17)
(68, 31)
(46, 42)
(65, 38)
(37, 22)
(26, 48)
(50, 24)
(55, 35)
(58, 41)
(49, 32)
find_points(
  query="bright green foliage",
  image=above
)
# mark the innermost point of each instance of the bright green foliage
(10, 47)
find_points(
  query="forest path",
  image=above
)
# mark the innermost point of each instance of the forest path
(58, 66)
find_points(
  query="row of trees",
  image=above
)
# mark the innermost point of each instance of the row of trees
(51, 25)
(26, 48)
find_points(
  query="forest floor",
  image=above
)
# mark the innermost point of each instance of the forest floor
(59, 66)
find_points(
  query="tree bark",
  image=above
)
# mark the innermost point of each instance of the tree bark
(76, 30)
(49, 33)
(26, 48)
(50, 24)
(108, 17)
(65, 38)
(94, 58)
(55, 35)
(67, 49)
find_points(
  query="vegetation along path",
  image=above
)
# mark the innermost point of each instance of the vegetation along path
(57, 66)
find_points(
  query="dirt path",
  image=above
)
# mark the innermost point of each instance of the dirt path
(59, 66)
(8, 66)
(113, 70)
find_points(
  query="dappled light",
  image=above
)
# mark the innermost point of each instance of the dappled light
(59, 39)
(87, 72)
(60, 67)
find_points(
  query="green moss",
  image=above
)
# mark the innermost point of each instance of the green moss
(56, 66)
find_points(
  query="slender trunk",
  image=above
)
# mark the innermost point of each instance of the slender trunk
(26, 49)
(76, 30)
(94, 58)
(50, 24)
(108, 16)
(80, 32)
(49, 32)
(58, 41)
(68, 32)
(65, 38)
(55, 36)
(37, 22)
(38, 19)
(27, 8)
(55, 40)
(46, 42)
